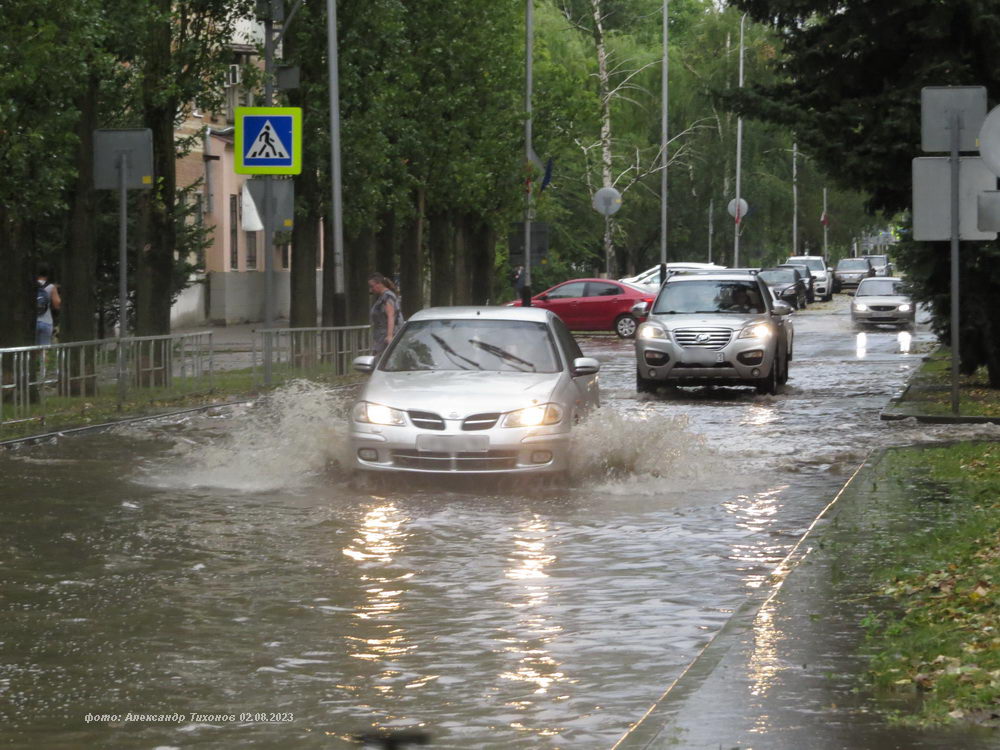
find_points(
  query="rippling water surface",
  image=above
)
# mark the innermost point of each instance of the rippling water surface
(225, 564)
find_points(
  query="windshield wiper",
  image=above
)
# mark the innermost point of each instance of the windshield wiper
(502, 353)
(448, 350)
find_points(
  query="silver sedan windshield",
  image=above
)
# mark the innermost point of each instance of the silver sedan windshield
(473, 344)
(879, 288)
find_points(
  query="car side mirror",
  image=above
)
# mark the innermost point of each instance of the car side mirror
(364, 364)
(640, 309)
(585, 366)
(781, 308)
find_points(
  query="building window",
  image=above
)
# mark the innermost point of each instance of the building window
(234, 236)
(251, 250)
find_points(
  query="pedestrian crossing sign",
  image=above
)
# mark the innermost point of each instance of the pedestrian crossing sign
(268, 140)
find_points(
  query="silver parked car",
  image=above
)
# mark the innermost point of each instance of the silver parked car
(882, 300)
(821, 272)
(714, 329)
(473, 390)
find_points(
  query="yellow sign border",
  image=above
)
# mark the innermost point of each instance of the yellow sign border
(241, 113)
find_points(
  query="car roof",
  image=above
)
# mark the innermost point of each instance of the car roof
(881, 278)
(729, 275)
(794, 258)
(490, 312)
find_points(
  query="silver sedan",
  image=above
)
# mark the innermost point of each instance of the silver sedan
(473, 390)
(882, 300)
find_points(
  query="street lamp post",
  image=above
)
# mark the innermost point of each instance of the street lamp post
(664, 140)
(739, 158)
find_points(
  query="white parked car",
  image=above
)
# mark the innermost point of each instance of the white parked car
(650, 278)
(473, 390)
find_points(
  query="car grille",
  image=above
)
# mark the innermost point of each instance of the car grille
(426, 420)
(455, 462)
(480, 421)
(703, 338)
(882, 308)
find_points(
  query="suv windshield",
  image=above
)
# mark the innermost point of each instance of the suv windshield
(879, 287)
(815, 264)
(494, 345)
(709, 296)
(853, 264)
(878, 260)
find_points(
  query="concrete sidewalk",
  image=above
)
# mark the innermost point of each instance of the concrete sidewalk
(785, 672)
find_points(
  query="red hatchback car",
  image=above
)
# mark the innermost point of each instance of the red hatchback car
(595, 305)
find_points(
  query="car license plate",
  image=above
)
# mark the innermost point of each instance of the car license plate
(453, 443)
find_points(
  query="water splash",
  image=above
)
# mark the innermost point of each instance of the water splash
(286, 439)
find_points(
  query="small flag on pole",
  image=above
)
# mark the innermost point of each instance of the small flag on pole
(825, 219)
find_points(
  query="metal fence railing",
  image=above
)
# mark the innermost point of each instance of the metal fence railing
(308, 352)
(37, 382)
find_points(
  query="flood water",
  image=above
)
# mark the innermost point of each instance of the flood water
(222, 567)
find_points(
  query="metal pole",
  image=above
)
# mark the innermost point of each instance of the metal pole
(122, 276)
(664, 140)
(739, 159)
(268, 210)
(339, 296)
(795, 198)
(826, 232)
(529, 34)
(956, 124)
(711, 210)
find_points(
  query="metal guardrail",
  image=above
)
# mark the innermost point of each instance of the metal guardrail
(39, 381)
(309, 351)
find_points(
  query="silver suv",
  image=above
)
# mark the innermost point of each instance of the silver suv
(821, 272)
(714, 329)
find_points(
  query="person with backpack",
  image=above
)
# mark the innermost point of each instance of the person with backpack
(386, 315)
(47, 299)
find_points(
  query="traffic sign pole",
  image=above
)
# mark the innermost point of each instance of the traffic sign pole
(955, 123)
(122, 274)
(268, 207)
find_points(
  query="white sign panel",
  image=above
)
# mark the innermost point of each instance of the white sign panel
(932, 198)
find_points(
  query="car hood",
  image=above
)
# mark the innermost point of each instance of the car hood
(722, 320)
(884, 299)
(460, 392)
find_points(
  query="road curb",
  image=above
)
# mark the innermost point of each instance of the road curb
(896, 410)
(646, 731)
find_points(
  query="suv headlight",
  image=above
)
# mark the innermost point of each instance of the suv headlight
(534, 416)
(652, 331)
(860, 306)
(365, 411)
(757, 331)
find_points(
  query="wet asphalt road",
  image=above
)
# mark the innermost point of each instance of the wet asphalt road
(223, 569)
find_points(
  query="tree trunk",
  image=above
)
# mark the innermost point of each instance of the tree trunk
(481, 260)
(356, 272)
(17, 303)
(462, 290)
(604, 93)
(385, 246)
(305, 250)
(441, 243)
(330, 316)
(411, 260)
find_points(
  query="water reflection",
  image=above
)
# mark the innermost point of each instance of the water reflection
(905, 339)
(862, 345)
(535, 669)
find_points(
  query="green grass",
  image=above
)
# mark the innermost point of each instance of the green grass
(930, 390)
(939, 637)
(67, 412)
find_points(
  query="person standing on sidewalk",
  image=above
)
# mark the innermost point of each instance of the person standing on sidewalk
(386, 316)
(47, 299)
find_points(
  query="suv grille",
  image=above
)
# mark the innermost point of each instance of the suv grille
(703, 338)
(480, 421)
(425, 420)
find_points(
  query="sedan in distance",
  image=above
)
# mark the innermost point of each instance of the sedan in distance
(786, 284)
(473, 390)
(882, 300)
(850, 271)
(595, 305)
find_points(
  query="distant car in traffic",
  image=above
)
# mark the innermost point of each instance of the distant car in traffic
(807, 277)
(714, 329)
(787, 285)
(595, 304)
(881, 264)
(821, 272)
(883, 301)
(473, 390)
(651, 276)
(850, 271)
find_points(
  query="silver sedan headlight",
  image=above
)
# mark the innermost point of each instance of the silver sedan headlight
(534, 416)
(861, 306)
(652, 331)
(758, 331)
(905, 307)
(365, 411)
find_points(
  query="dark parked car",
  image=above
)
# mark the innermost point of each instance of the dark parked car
(807, 277)
(787, 285)
(850, 271)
